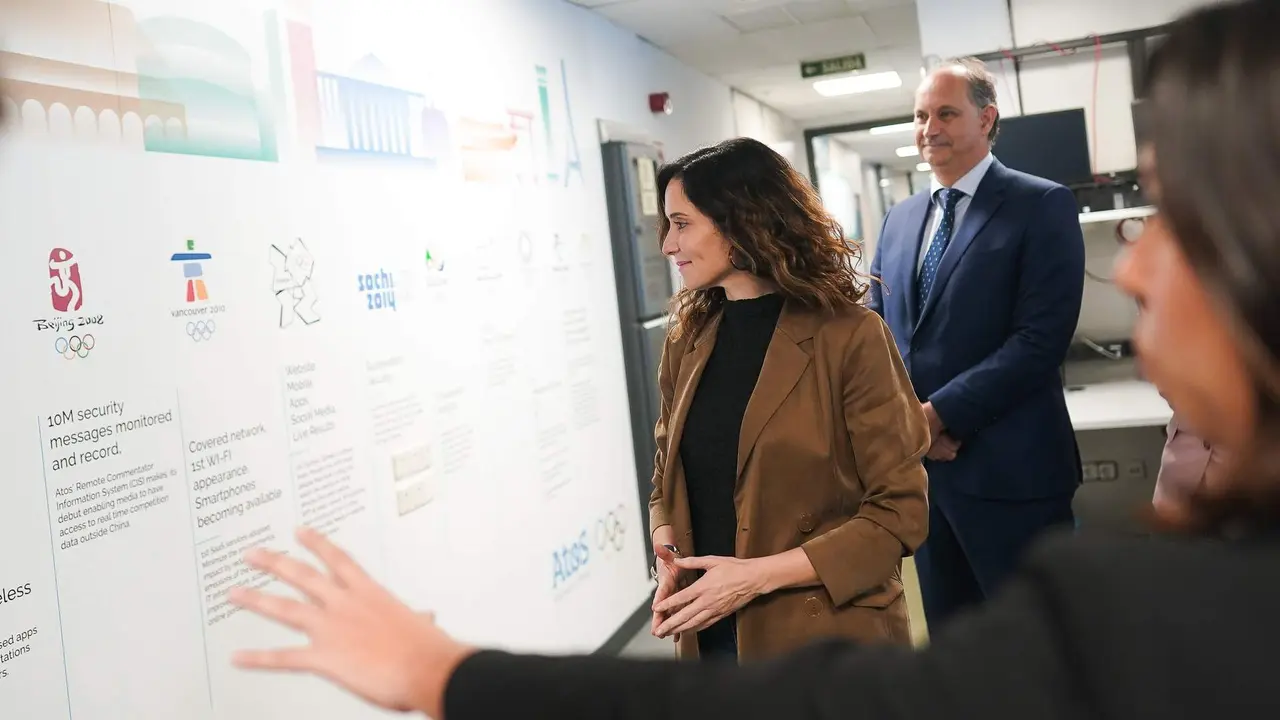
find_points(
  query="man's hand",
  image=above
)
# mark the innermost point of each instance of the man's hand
(935, 422)
(944, 449)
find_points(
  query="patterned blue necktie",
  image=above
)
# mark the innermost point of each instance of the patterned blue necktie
(938, 245)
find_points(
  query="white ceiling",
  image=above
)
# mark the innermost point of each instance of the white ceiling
(757, 46)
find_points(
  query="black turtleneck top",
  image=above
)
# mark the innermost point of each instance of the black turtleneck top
(709, 445)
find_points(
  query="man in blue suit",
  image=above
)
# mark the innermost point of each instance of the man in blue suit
(982, 283)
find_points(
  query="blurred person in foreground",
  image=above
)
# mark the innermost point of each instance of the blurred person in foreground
(1180, 626)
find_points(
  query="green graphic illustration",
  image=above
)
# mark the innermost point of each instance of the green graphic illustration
(562, 160)
(206, 72)
(544, 100)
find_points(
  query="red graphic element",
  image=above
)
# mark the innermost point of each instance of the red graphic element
(64, 281)
(196, 290)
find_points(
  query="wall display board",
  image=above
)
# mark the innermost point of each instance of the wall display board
(333, 263)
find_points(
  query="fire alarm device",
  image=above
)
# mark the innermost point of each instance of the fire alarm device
(660, 103)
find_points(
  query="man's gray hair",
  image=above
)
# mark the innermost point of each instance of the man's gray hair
(982, 88)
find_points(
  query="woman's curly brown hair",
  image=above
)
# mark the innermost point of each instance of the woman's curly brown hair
(775, 225)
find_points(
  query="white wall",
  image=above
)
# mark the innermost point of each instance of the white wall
(1052, 82)
(952, 29)
(756, 120)
(623, 71)
(1050, 21)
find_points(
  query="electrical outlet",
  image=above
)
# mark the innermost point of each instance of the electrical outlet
(1108, 470)
(1090, 470)
(1135, 470)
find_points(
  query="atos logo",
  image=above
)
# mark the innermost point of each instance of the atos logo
(379, 289)
(570, 560)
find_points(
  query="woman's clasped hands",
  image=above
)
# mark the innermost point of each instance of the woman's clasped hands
(727, 584)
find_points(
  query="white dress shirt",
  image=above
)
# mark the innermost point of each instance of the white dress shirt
(967, 185)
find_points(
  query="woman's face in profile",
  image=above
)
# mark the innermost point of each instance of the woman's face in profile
(1182, 337)
(693, 242)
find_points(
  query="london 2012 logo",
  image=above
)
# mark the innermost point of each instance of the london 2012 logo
(292, 281)
(73, 334)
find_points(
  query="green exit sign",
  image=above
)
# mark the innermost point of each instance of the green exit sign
(833, 66)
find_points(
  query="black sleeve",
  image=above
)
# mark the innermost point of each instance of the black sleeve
(1007, 660)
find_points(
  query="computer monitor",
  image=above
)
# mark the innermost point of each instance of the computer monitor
(1053, 145)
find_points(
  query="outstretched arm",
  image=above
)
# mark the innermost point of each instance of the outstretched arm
(1007, 659)
(1006, 662)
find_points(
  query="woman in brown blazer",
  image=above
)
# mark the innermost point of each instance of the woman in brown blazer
(788, 482)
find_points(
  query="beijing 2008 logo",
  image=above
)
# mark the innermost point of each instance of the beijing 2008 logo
(64, 281)
(71, 331)
(75, 346)
(611, 529)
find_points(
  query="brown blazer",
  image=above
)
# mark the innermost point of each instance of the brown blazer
(829, 460)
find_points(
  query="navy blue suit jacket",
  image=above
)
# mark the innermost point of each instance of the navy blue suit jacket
(987, 346)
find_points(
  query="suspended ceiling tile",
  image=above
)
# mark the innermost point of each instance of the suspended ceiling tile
(600, 3)
(762, 19)
(894, 26)
(669, 22)
(811, 42)
(819, 10)
(723, 57)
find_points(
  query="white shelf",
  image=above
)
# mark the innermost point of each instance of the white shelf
(1107, 406)
(1116, 215)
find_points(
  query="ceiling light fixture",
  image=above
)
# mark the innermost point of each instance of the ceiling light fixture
(853, 84)
(890, 129)
(923, 167)
(907, 151)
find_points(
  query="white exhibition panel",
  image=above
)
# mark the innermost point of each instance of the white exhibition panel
(331, 262)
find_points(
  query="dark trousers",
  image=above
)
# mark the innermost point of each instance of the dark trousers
(974, 544)
(720, 641)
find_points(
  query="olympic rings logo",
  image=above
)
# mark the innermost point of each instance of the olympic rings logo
(201, 330)
(611, 530)
(74, 346)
